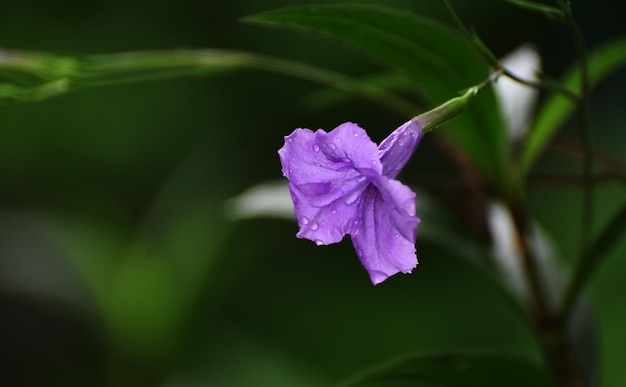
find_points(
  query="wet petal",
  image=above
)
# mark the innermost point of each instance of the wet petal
(397, 148)
(385, 235)
(349, 144)
(324, 184)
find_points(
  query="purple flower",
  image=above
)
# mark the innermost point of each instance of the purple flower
(342, 183)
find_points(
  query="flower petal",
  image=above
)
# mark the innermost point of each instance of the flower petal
(385, 236)
(349, 144)
(396, 150)
(325, 184)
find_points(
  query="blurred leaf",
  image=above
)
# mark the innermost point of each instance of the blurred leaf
(439, 63)
(538, 7)
(144, 305)
(456, 370)
(595, 255)
(557, 108)
(63, 74)
(391, 82)
(442, 228)
(147, 289)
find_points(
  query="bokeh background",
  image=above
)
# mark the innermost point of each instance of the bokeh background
(119, 264)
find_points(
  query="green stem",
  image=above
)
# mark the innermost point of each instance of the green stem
(549, 329)
(451, 108)
(481, 48)
(586, 138)
(106, 69)
(584, 123)
(146, 65)
(616, 167)
(539, 307)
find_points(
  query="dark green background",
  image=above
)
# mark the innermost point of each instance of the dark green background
(128, 183)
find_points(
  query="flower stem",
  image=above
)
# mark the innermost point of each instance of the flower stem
(584, 122)
(481, 48)
(616, 167)
(61, 74)
(549, 329)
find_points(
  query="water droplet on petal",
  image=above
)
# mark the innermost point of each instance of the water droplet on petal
(319, 242)
(305, 221)
(290, 170)
(332, 146)
(314, 226)
(351, 197)
(333, 211)
(401, 143)
(356, 135)
(397, 236)
(316, 147)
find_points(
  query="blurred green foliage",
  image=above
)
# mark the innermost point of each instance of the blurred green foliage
(119, 266)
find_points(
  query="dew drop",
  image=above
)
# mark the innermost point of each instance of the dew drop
(290, 170)
(397, 235)
(333, 211)
(332, 146)
(401, 143)
(314, 226)
(316, 148)
(356, 135)
(351, 197)
(305, 221)
(319, 242)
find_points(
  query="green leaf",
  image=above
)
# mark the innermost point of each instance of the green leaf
(438, 62)
(534, 6)
(557, 108)
(456, 370)
(596, 254)
(393, 82)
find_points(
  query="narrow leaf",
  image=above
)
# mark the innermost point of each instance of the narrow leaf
(557, 108)
(59, 75)
(456, 370)
(438, 62)
(534, 6)
(597, 254)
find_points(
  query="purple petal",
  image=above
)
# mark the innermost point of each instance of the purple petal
(385, 236)
(349, 144)
(397, 148)
(324, 182)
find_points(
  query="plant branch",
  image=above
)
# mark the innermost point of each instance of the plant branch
(571, 149)
(584, 123)
(56, 75)
(567, 181)
(481, 48)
